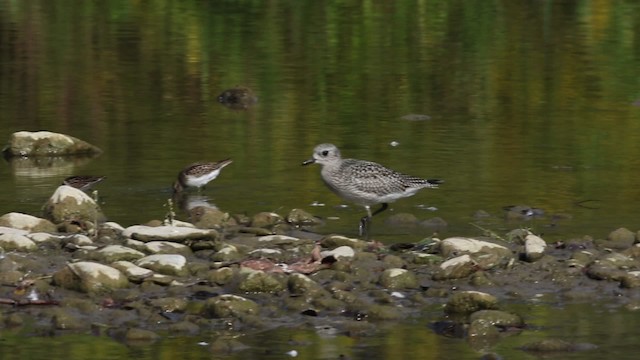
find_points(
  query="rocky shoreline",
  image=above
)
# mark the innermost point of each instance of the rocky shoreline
(61, 274)
(70, 271)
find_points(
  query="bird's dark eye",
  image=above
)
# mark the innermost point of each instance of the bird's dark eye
(325, 153)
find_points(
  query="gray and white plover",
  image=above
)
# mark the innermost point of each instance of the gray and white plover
(365, 183)
(198, 175)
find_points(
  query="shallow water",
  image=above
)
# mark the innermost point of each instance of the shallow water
(607, 330)
(529, 103)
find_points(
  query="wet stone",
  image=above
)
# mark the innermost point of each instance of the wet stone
(254, 281)
(456, 268)
(299, 217)
(229, 306)
(398, 279)
(466, 302)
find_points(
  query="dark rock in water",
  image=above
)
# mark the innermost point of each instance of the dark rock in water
(415, 117)
(522, 212)
(435, 223)
(238, 98)
(553, 345)
(449, 328)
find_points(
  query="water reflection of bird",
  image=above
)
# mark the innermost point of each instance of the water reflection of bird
(82, 182)
(238, 98)
(364, 182)
(198, 175)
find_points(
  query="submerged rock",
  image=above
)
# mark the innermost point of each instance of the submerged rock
(45, 143)
(230, 306)
(238, 98)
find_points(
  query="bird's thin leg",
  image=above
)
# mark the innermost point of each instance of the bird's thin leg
(382, 208)
(363, 229)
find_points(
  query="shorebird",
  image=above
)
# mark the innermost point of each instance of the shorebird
(198, 175)
(82, 182)
(365, 183)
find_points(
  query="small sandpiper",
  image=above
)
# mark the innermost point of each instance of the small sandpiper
(365, 183)
(198, 175)
(82, 182)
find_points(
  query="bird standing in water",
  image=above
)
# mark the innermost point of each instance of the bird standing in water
(365, 183)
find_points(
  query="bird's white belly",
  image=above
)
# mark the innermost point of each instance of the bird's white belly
(201, 180)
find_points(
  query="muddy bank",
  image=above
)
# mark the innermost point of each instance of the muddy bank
(226, 272)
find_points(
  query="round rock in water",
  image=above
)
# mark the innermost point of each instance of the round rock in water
(45, 143)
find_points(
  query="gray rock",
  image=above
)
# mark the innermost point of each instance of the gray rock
(435, 224)
(169, 233)
(230, 306)
(112, 253)
(300, 284)
(227, 253)
(90, 277)
(45, 143)
(266, 219)
(534, 247)
(456, 268)
(70, 204)
(255, 281)
(167, 264)
(334, 241)
(11, 241)
(396, 278)
(467, 302)
(341, 252)
(299, 217)
(455, 246)
(619, 239)
(27, 222)
(133, 272)
(167, 247)
(402, 220)
(140, 335)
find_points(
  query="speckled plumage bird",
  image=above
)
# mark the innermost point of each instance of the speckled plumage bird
(82, 182)
(365, 183)
(199, 174)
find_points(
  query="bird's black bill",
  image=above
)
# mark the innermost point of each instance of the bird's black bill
(435, 181)
(307, 162)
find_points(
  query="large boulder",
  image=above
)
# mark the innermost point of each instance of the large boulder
(70, 204)
(45, 143)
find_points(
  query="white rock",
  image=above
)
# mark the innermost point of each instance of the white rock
(166, 247)
(168, 233)
(132, 271)
(461, 245)
(340, 252)
(90, 277)
(10, 241)
(168, 264)
(41, 237)
(26, 222)
(10, 230)
(120, 252)
(456, 261)
(534, 247)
